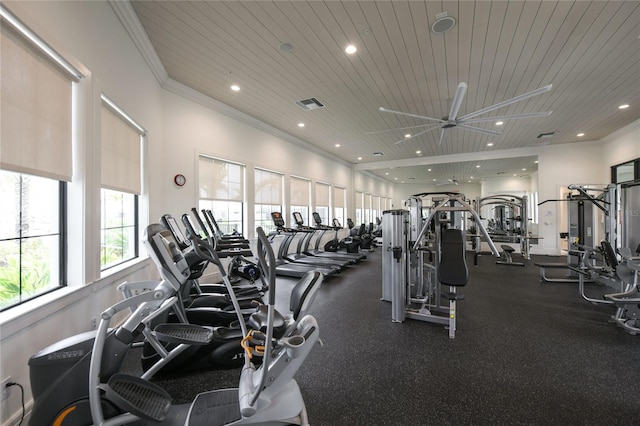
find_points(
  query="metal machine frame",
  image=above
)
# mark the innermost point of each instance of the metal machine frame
(411, 258)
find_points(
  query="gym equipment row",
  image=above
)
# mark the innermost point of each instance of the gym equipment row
(424, 262)
(78, 380)
(295, 262)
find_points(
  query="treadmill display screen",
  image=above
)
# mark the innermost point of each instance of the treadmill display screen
(277, 219)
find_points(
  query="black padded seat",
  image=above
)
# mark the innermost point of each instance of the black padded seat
(258, 321)
(507, 248)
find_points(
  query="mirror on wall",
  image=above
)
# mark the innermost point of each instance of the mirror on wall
(517, 176)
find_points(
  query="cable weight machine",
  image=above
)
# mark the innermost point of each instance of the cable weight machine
(423, 260)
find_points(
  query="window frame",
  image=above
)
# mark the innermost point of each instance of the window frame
(243, 171)
(61, 246)
(136, 227)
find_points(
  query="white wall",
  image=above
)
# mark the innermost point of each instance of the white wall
(191, 129)
(619, 147)
(513, 185)
(584, 163)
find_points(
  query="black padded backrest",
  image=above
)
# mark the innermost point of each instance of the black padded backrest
(609, 254)
(453, 270)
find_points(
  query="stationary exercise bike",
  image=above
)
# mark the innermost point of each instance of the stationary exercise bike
(77, 381)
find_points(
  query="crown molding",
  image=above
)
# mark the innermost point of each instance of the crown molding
(129, 19)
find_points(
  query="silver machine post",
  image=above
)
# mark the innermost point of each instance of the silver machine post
(411, 258)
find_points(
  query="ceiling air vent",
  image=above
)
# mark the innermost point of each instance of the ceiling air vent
(545, 135)
(378, 154)
(310, 104)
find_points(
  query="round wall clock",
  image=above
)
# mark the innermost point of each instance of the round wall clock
(179, 180)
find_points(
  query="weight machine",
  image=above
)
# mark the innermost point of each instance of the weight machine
(581, 209)
(510, 223)
(423, 261)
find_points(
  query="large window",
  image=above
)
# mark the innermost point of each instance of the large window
(359, 208)
(121, 175)
(36, 144)
(268, 198)
(323, 197)
(375, 208)
(299, 197)
(31, 237)
(367, 209)
(339, 203)
(222, 191)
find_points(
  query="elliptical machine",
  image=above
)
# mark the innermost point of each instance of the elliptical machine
(77, 381)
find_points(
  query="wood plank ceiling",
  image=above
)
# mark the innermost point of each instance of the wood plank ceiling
(589, 51)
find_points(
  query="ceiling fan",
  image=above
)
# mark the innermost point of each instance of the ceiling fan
(452, 120)
(451, 181)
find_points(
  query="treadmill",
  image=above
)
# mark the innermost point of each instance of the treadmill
(287, 268)
(351, 258)
(298, 256)
(336, 227)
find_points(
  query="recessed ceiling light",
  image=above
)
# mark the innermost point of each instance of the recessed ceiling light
(337, 145)
(428, 170)
(396, 178)
(514, 174)
(625, 106)
(285, 47)
(524, 170)
(418, 152)
(490, 144)
(580, 135)
(359, 158)
(478, 166)
(386, 173)
(434, 180)
(402, 182)
(408, 135)
(499, 123)
(300, 124)
(235, 88)
(536, 162)
(470, 177)
(351, 49)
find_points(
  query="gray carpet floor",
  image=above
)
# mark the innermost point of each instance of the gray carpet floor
(525, 353)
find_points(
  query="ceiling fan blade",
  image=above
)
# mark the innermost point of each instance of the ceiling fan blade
(518, 98)
(457, 100)
(477, 129)
(442, 136)
(508, 117)
(417, 134)
(422, 117)
(400, 128)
